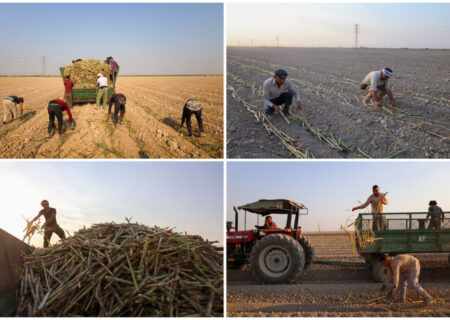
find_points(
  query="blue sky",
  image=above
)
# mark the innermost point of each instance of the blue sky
(144, 38)
(331, 189)
(413, 25)
(184, 195)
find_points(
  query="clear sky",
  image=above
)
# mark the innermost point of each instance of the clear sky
(144, 38)
(184, 195)
(394, 25)
(331, 189)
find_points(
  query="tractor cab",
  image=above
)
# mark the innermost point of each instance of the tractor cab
(289, 250)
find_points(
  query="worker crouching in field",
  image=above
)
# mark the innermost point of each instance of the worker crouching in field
(192, 107)
(377, 84)
(55, 110)
(278, 92)
(50, 225)
(68, 85)
(102, 91)
(12, 108)
(435, 215)
(119, 101)
(405, 270)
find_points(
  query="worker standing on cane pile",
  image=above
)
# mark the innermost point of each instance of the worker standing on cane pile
(278, 92)
(55, 110)
(405, 270)
(12, 106)
(192, 107)
(114, 67)
(68, 85)
(377, 200)
(435, 215)
(50, 225)
(376, 82)
(102, 91)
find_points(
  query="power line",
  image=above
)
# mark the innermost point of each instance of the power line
(356, 35)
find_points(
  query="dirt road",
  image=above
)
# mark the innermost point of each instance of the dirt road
(334, 123)
(150, 129)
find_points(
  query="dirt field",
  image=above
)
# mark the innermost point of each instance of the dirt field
(150, 129)
(336, 285)
(335, 124)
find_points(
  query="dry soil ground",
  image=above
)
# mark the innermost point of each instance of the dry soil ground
(336, 285)
(150, 129)
(334, 123)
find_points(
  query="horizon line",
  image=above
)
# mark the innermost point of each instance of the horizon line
(330, 47)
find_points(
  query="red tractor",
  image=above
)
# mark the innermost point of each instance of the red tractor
(275, 255)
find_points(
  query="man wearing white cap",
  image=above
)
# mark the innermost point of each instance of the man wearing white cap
(102, 91)
(377, 84)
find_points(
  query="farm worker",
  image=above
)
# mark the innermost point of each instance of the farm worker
(55, 110)
(114, 66)
(377, 84)
(68, 85)
(192, 107)
(12, 106)
(436, 216)
(279, 91)
(405, 270)
(102, 90)
(50, 224)
(377, 201)
(269, 224)
(118, 100)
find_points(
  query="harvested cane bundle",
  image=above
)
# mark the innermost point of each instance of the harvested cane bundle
(83, 73)
(124, 270)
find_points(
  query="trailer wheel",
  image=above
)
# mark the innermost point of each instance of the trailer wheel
(277, 258)
(381, 273)
(309, 252)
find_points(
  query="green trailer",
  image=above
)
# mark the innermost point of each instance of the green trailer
(86, 95)
(403, 232)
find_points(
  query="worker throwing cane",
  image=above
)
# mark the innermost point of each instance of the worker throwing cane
(50, 224)
(377, 84)
(279, 93)
(377, 201)
(405, 271)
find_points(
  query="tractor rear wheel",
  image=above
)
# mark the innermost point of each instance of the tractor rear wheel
(381, 273)
(277, 258)
(309, 252)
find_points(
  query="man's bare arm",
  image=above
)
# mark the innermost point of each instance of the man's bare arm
(37, 217)
(364, 205)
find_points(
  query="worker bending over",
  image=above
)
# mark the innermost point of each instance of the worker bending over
(376, 82)
(118, 100)
(12, 106)
(279, 94)
(192, 107)
(405, 271)
(55, 110)
(50, 224)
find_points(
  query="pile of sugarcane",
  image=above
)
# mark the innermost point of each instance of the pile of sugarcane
(83, 73)
(124, 270)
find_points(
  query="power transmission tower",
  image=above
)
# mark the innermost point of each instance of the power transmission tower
(278, 41)
(44, 66)
(356, 35)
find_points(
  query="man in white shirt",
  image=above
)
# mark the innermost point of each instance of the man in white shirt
(102, 91)
(278, 91)
(377, 201)
(377, 84)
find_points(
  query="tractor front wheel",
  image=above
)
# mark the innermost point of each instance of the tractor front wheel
(277, 258)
